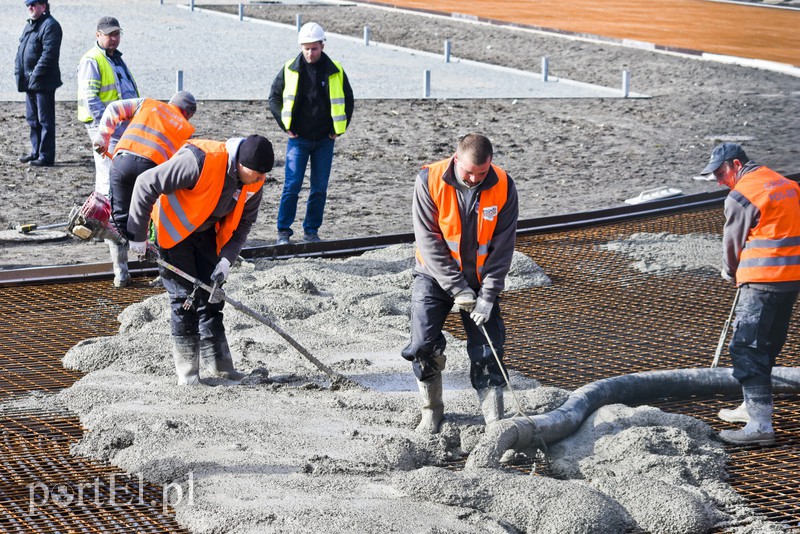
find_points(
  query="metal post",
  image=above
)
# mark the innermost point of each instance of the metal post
(299, 20)
(426, 84)
(191, 5)
(626, 83)
(545, 68)
(446, 51)
(366, 35)
(179, 81)
(161, 2)
(241, 11)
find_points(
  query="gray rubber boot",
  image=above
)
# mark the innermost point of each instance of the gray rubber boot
(119, 262)
(491, 401)
(185, 352)
(215, 357)
(432, 405)
(737, 415)
(758, 431)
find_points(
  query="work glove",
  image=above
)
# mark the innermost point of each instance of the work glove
(138, 247)
(100, 149)
(727, 276)
(465, 300)
(482, 311)
(221, 271)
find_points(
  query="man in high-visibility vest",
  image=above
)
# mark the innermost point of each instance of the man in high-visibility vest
(103, 77)
(203, 202)
(465, 213)
(312, 102)
(761, 255)
(156, 130)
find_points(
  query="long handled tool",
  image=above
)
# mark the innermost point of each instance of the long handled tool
(28, 228)
(724, 333)
(215, 293)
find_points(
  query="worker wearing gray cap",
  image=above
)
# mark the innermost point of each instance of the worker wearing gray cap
(761, 242)
(312, 102)
(156, 130)
(103, 77)
(465, 213)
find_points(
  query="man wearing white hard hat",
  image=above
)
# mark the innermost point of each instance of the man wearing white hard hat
(312, 102)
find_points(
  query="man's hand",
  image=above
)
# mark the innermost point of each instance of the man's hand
(138, 247)
(482, 311)
(221, 271)
(465, 300)
(728, 277)
(100, 149)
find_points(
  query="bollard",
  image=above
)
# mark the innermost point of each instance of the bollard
(179, 80)
(161, 2)
(299, 21)
(191, 5)
(426, 84)
(446, 51)
(241, 11)
(366, 35)
(545, 68)
(626, 83)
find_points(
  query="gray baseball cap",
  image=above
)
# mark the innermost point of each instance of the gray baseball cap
(722, 153)
(108, 25)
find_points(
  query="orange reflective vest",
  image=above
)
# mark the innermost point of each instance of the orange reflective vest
(445, 196)
(178, 214)
(156, 131)
(772, 250)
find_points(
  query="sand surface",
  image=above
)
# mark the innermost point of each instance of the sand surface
(565, 155)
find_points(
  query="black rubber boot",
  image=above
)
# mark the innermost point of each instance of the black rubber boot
(491, 401)
(215, 356)
(185, 352)
(432, 405)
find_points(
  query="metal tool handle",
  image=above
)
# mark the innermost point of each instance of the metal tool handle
(724, 334)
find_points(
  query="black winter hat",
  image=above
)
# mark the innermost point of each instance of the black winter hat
(255, 153)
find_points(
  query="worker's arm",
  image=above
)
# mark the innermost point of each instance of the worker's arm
(115, 113)
(437, 260)
(501, 249)
(276, 98)
(236, 243)
(89, 88)
(740, 217)
(179, 172)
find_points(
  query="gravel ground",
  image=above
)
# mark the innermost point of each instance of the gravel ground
(565, 155)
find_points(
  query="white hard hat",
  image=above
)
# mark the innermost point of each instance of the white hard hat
(310, 32)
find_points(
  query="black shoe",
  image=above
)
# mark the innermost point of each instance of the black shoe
(29, 157)
(42, 163)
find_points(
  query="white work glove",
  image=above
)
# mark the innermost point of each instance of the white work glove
(138, 247)
(221, 271)
(727, 277)
(465, 300)
(482, 311)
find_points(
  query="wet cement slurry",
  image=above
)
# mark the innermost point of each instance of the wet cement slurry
(739, 30)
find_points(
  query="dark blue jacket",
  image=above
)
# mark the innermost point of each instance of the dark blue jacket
(36, 67)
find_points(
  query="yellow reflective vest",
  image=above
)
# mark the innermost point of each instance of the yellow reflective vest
(106, 87)
(291, 79)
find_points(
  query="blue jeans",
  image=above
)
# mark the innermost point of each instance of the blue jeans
(298, 151)
(40, 112)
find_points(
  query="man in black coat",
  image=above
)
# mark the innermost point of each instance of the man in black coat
(38, 76)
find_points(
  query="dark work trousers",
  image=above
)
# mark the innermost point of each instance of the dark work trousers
(125, 169)
(430, 305)
(759, 332)
(196, 255)
(40, 112)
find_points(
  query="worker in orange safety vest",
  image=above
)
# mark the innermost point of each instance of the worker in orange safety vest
(465, 213)
(155, 131)
(761, 242)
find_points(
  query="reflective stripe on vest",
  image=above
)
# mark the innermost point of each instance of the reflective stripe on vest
(291, 79)
(156, 131)
(489, 204)
(772, 250)
(106, 87)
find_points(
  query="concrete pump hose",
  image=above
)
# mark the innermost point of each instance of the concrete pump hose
(553, 426)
